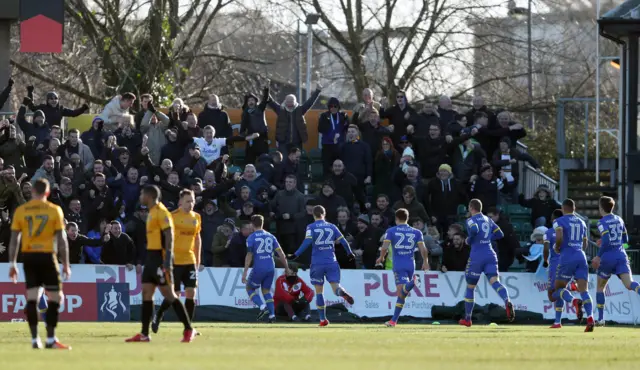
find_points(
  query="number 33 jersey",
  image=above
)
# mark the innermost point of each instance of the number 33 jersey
(38, 221)
(262, 244)
(324, 236)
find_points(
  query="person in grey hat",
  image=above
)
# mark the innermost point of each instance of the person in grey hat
(36, 132)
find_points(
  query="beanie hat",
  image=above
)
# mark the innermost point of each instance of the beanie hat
(333, 101)
(38, 113)
(408, 152)
(52, 94)
(364, 218)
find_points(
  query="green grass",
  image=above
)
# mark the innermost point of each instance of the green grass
(282, 346)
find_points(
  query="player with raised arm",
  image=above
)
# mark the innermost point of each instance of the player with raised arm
(571, 239)
(612, 258)
(38, 230)
(553, 259)
(158, 266)
(261, 245)
(482, 231)
(404, 240)
(322, 236)
(187, 226)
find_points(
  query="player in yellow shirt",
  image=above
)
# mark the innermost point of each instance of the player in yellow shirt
(187, 225)
(158, 267)
(38, 229)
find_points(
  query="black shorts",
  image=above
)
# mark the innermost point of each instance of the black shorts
(154, 271)
(186, 275)
(41, 270)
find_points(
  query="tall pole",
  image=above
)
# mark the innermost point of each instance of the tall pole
(5, 53)
(530, 66)
(299, 63)
(598, 59)
(309, 58)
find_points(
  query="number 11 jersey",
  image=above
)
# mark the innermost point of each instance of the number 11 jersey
(324, 236)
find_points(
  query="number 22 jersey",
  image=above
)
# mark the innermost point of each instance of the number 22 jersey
(323, 237)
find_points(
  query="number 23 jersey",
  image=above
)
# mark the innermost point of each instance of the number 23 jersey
(38, 221)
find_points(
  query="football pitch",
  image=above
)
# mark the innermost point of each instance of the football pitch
(288, 346)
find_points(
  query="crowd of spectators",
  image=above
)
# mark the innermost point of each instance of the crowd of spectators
(428, 159)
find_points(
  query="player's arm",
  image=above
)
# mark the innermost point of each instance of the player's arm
(247, 264)
(63, 247)
(472, 230)
(496, 232)
(559, 237)
(384, 250)
(282, 257)
(167, 236)
(340, 238)
(13, 246)
(425, 254)
(305, 244)
(546, 248)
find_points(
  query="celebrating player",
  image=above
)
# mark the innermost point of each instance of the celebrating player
(404, 239)
(322, 235)
(187, 256)
(553, 259)
(158, 267)
(262, 244)
(611, 259)
(571, 239)
(38, 227)
(482, 230)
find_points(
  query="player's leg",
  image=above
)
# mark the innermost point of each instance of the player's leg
(43, 306)
(190, 282)
(491, 272)
(166, 303)
(471, 277)
(333, 277)
(603, 279)
(564, 274)
(53, 288)
(267, 281)
(558, 304)
(252, 287)
(31, 311)
(582, 278)
(316, 275)
(404, 284)
(169, 294)
(148, 289)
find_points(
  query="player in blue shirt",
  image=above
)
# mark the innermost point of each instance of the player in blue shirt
(404, 240)
(261, 244)
(322, 236)
(553, 258)
(482, 231)
(612, 258)
(571, 239)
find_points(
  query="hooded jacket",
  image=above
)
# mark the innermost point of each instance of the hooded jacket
(291, 126)
(94, 138)
(156, 138)
(540, 208)
(331, 204)
(253, 119)
(331, 124)
(216, 117)
(41, 132)
(444, 196)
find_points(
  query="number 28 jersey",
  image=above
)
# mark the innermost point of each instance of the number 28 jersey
(323, 237)
(262, 244)
(38, 221)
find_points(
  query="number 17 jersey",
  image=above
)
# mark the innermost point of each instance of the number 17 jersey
(38, 221)
(323, 237)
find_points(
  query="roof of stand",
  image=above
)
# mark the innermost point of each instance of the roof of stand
(619, 22)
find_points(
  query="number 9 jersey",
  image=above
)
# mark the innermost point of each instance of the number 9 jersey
(38, 221)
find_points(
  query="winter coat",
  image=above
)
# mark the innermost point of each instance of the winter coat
(291, 202)
(357, 159)
(54, 114)
(218, 118)
(291, 126)
(444, 196)
(383, 166)
(156, 138)
(329, 125)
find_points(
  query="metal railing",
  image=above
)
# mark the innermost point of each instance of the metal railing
(530, 179)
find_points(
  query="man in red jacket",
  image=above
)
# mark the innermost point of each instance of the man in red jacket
(293, 296)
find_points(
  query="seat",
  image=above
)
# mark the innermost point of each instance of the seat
(518, 210)
(527, 230)
(316, 172)
(238, 156)
(517, 228)
(233, 169)
(315, 156)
